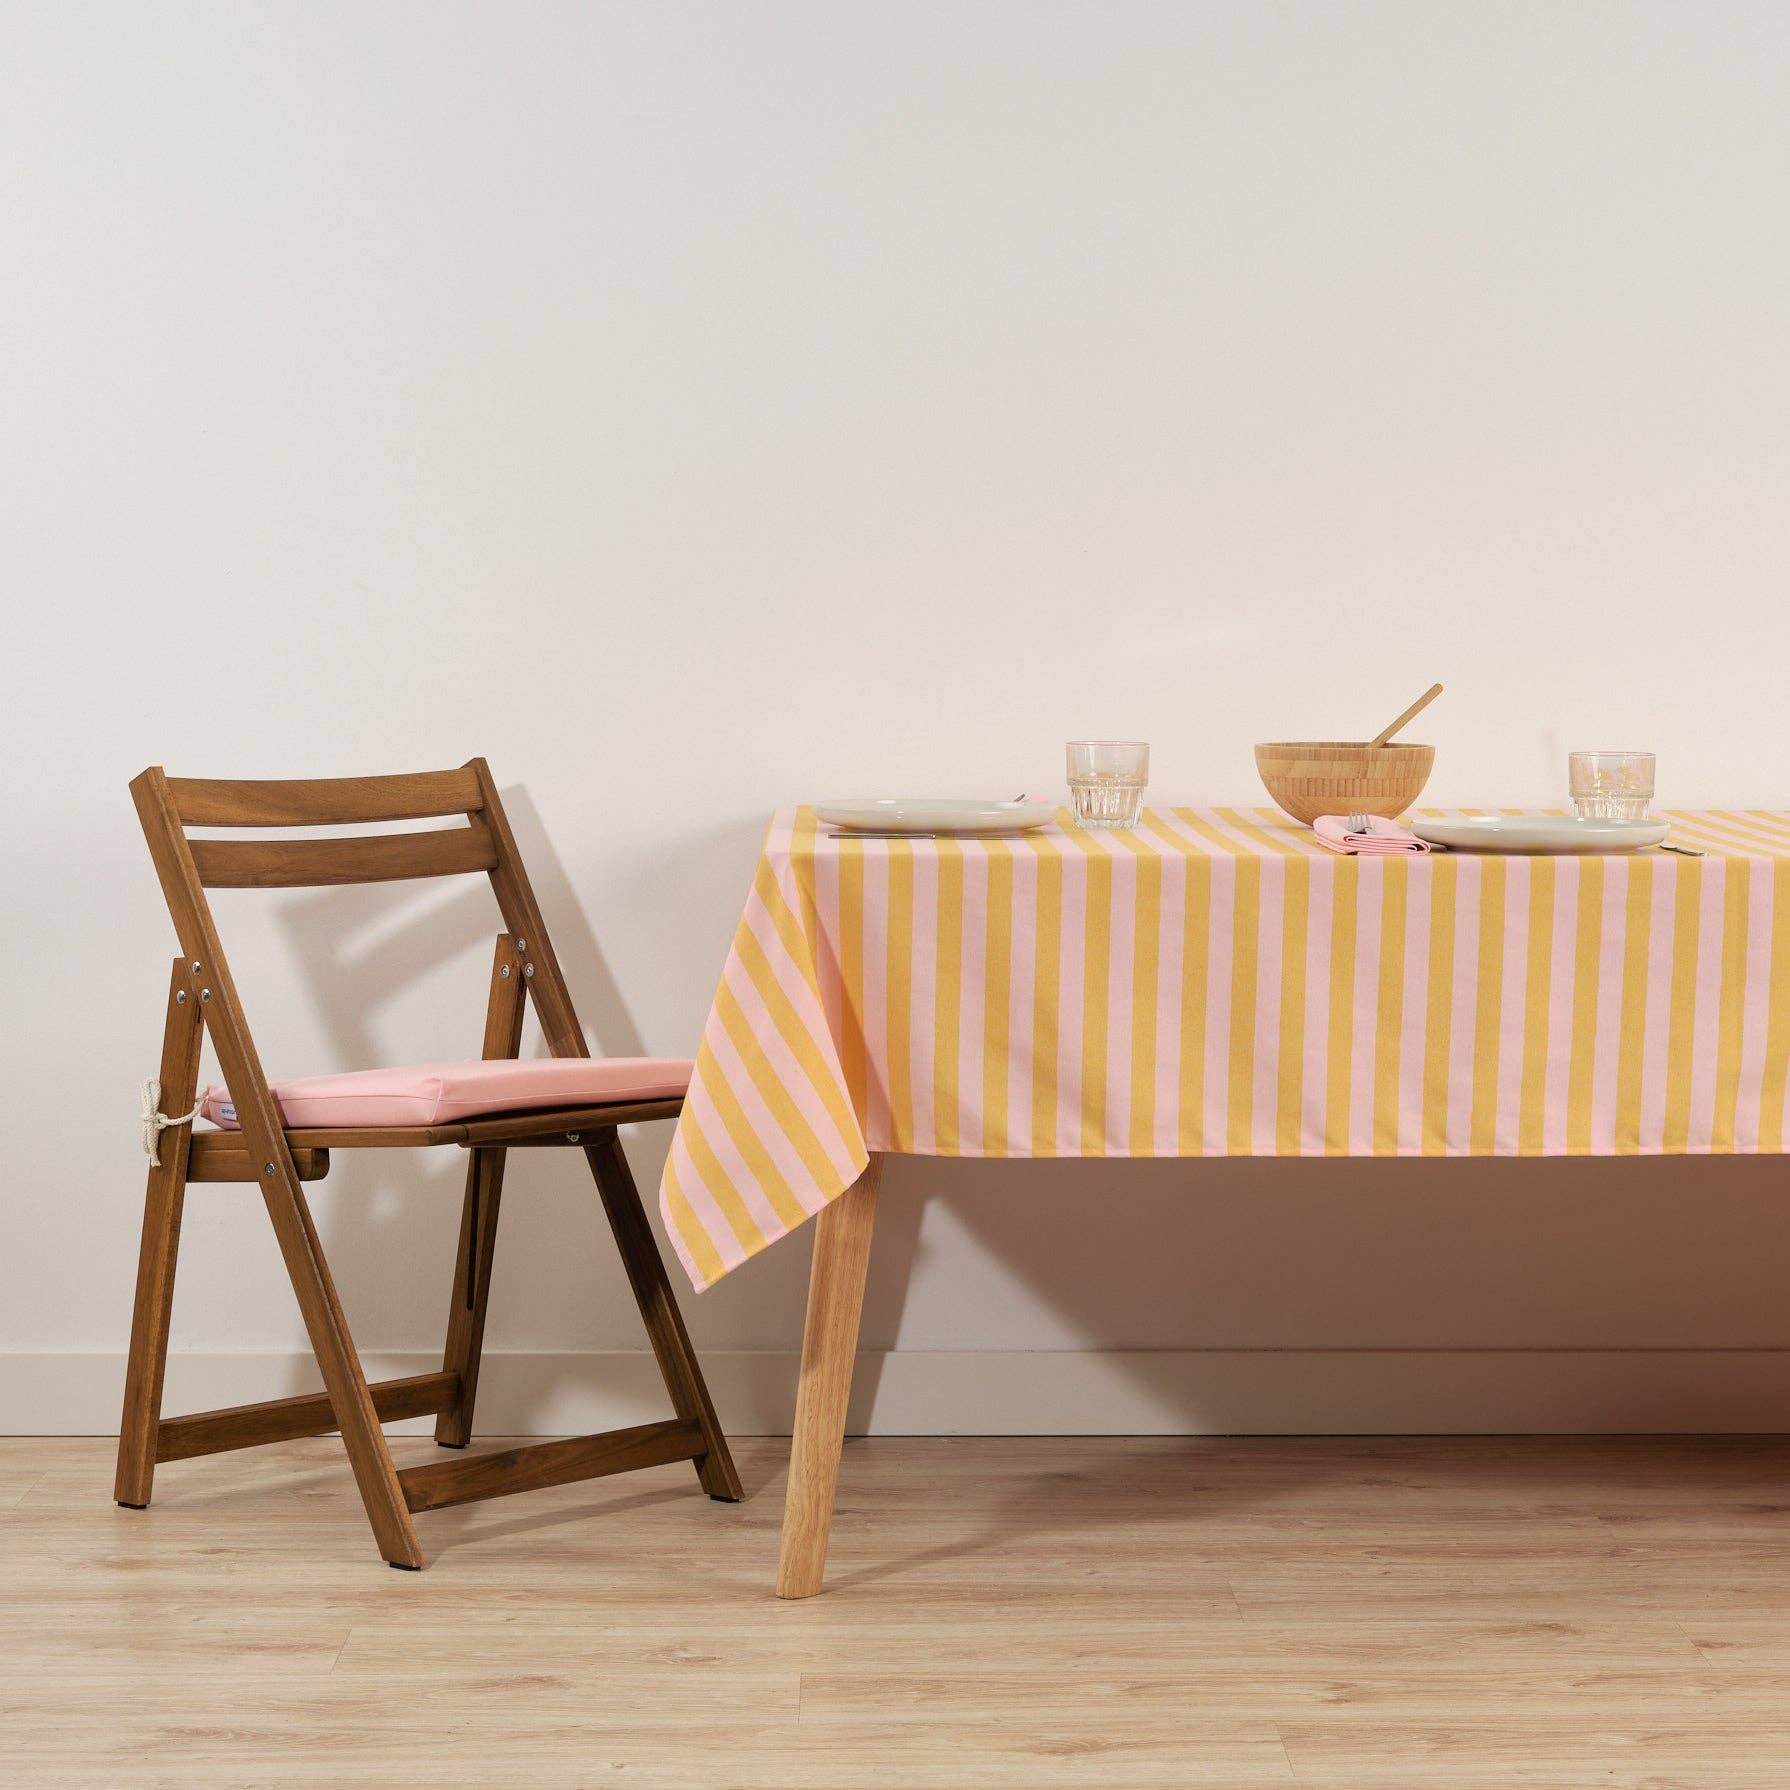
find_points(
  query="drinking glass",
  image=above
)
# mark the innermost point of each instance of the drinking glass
(1106, 781)
(1610, 785)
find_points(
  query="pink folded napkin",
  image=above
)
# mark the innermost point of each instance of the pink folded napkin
(1382, 837)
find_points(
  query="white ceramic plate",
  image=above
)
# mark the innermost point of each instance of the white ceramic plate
(1548, 834)
(926, 815)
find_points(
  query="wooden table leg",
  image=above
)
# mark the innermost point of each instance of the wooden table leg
(829, 1349)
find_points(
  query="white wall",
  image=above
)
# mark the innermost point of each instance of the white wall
(699, 407)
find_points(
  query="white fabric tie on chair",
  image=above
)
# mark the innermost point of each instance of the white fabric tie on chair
(155, 1121)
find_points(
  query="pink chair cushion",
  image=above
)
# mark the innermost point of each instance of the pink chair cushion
(439, 1093)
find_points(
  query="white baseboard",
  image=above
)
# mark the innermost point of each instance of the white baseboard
(1014, 1392)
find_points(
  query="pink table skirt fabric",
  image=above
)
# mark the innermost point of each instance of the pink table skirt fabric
(1216, 983)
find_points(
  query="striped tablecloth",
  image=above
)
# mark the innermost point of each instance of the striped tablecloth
(1216, 983)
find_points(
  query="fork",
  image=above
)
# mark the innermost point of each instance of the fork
(1361, 823)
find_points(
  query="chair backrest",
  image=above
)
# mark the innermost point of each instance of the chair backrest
(335, 801)
(168, 806)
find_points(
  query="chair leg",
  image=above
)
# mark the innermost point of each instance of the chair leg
(658, 1310)
(472, 1290)
(343, 1379)
(148, 1359)
(162, 1206)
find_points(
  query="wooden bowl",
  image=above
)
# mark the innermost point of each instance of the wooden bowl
(1307, 778)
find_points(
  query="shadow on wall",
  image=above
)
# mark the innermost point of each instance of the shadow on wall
(390, 1225)
(1217, 1255)
(389, 1220)
(1558, 1263)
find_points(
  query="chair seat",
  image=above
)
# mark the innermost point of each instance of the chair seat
(438, 1093)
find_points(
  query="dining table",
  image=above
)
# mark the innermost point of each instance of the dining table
(1214, 981)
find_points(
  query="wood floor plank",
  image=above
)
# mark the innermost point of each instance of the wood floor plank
(1348, 1696)
(1730, 1640)
(1557, 1750)
(1104, 1613)
(16, 1483)
(219, 1648)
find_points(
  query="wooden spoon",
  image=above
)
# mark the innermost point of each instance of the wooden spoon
(1410, 714)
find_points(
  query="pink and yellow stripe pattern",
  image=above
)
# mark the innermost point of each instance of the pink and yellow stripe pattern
(1216, 983)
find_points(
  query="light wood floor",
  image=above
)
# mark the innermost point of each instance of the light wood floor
(1111, 1612)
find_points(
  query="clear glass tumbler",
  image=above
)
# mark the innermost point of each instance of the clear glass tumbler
(1106, 781)
(1610, 785)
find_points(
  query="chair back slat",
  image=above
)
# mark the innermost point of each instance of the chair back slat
(324, 801)
(315, 863)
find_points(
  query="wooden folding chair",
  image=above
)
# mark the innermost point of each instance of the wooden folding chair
(278, 1157)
